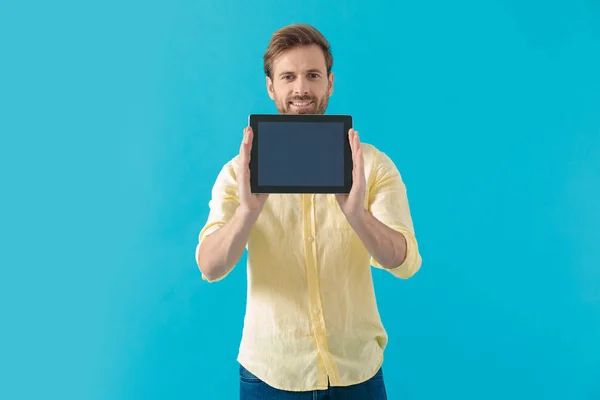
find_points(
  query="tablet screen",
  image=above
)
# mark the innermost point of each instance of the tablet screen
(301, 154)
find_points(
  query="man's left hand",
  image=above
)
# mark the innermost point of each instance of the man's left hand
(352, 204)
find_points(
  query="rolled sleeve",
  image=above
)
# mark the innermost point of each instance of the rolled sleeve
(388, 202)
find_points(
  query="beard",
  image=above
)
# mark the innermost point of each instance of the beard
(318, 105)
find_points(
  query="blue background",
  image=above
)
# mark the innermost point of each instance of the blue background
(117, 116)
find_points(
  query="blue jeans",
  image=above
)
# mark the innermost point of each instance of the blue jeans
(252, 388)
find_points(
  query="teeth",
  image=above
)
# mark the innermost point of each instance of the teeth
(301, 104)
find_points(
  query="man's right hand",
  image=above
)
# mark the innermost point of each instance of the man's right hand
(249, 202)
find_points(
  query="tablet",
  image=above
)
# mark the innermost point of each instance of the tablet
(300, 153)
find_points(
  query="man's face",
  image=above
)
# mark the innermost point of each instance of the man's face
(300, 84)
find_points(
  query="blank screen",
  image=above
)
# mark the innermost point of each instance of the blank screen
(301, 154)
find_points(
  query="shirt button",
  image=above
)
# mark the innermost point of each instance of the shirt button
(317, 310)
(310, 239)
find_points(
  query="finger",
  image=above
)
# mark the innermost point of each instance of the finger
(358, 156)
(360, 169)
(248, 144)
(249, 136)
(359, 160)
(244, 157)
(244, 139)
(355, 145)
(243, 145)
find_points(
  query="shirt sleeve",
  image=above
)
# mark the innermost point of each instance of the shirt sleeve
(222, 205)
(388, 202)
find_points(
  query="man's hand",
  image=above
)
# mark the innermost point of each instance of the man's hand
(249, 203)
(386, 245)
(352, 204)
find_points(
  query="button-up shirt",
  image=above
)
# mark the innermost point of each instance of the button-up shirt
(311, 315)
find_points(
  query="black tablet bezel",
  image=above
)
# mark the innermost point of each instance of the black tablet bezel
(255, 187)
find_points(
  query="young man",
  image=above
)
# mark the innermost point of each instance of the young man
(312, 327)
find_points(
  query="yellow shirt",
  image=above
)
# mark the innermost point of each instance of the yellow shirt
(311, 313)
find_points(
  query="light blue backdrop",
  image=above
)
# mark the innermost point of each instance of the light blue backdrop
(116, 117)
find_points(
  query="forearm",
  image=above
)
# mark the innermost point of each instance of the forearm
(386, 245)
(220, 251)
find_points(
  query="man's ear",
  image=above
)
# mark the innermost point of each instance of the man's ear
(330, 91)
(270, 90)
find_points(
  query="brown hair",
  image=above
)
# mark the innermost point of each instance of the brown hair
(295, 35)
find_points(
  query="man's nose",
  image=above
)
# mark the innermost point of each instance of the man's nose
(300, 87)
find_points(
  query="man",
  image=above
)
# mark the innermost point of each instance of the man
(312, 327)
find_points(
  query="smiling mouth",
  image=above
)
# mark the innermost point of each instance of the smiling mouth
(301, 103)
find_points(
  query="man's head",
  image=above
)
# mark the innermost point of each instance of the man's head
(297, 65)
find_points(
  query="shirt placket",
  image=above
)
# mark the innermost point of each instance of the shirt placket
(325, 364)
